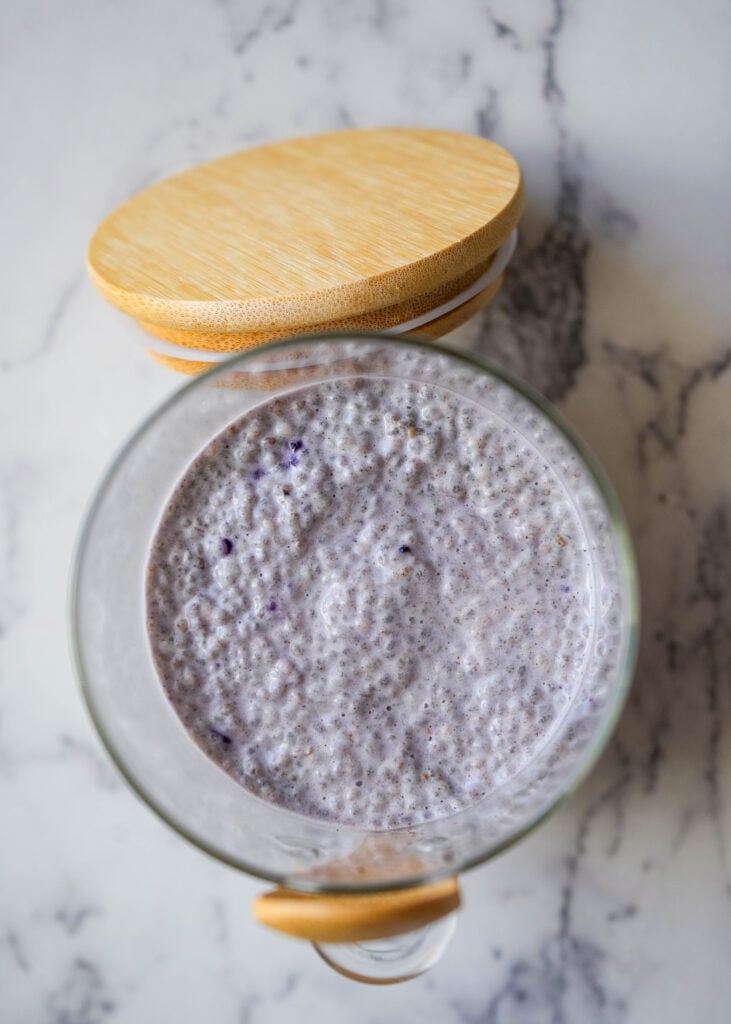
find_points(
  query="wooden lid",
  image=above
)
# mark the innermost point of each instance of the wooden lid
(359, 917)
(383, 319)
(309, 230)
(273, 380)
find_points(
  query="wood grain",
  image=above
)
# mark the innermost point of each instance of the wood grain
(356, 918)
(376, 320)
(283, 378)
(307, 231)
(464, 312)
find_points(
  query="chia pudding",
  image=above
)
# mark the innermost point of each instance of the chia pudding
(374, 600)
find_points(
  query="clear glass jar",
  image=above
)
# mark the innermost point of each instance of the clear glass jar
(171, 774)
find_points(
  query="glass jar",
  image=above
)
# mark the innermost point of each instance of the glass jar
(387, 896)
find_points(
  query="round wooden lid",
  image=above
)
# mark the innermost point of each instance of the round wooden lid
(356, 917)
(308, 230)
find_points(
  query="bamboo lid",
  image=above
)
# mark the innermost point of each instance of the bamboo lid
(300, 233)
(357, 917)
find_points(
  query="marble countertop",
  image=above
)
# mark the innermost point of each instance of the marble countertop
(616, 306)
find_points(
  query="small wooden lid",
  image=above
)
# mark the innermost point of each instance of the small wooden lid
(306, 231)
(359, 917)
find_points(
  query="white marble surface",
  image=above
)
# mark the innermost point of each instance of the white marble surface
(619, 909)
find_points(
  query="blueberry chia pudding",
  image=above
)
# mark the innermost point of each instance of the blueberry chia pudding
(374, 600)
